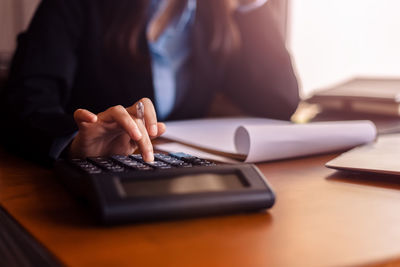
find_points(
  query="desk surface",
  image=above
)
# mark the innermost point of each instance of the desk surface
(321, 217)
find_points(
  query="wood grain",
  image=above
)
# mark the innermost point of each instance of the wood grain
(321, 218)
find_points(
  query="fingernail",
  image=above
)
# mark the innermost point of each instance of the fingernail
(94, 118)
(153, 130)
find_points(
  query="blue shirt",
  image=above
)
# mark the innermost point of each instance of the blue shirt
(168, 55)
(170, 52)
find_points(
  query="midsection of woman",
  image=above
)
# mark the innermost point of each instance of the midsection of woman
(92, 55)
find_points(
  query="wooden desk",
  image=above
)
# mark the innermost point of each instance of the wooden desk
(321, 218)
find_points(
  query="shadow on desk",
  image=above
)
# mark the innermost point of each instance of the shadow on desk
(366, 179)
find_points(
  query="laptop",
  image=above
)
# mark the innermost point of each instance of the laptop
(381, 156)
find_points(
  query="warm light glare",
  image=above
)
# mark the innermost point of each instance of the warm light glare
(335, 40)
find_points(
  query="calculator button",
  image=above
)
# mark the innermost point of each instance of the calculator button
(86, 166)
(94, 171)
(137, 157)
(182, 156)
(159, 165)
(145, 168)
(171, 160)
(131, 163)
(184, 165)
(107, 164)
(192, 159)
(155, 164)
(204, 162)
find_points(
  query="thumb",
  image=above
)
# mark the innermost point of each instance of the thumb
(83, 115)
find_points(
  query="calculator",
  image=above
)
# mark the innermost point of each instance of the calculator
(120, 189)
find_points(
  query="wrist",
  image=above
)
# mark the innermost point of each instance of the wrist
(72, 150)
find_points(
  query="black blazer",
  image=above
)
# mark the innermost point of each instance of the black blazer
(60, 65)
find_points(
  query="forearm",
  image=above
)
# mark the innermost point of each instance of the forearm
(35, 117)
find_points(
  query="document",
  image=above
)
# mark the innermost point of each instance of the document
(259, 139)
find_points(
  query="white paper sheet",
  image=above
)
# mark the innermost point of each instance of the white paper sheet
(264, 140)
(267, 142)
(212, 134)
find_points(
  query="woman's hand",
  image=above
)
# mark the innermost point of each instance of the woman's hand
(116, 131)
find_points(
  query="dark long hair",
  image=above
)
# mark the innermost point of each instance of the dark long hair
(125, 22)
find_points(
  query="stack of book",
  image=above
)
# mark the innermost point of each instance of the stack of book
(363, 95)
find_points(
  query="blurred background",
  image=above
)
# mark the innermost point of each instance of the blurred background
(334, 40)
(14, 17)
(330, 41)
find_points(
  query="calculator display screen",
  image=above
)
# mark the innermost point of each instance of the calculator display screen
(194, 183)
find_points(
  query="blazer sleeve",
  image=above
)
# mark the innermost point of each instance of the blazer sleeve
(41, 78)
(260, 78)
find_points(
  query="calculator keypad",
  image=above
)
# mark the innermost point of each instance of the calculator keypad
(86, 166)
(192, 159)
(156, 164)
(172, 160)
(119, 163)
(107, 164)
(131, 163)
(159, 165)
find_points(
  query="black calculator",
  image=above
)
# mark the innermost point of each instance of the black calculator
(123, 189)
